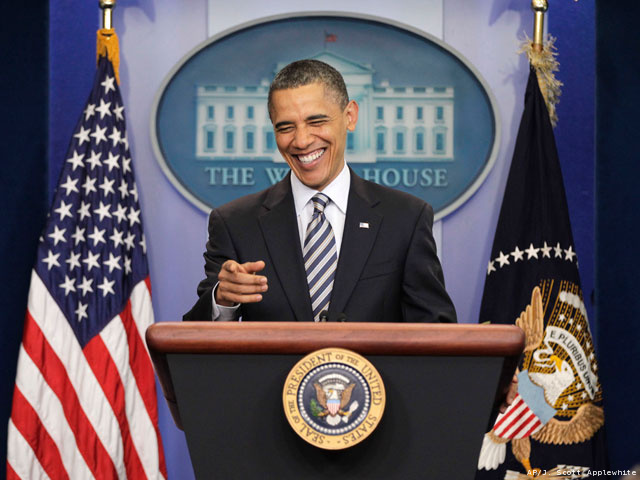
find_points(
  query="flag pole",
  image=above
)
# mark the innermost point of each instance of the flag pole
(539, 7)
(543, 59)
(107, 7)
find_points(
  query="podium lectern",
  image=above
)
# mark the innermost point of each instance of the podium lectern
(223, 383)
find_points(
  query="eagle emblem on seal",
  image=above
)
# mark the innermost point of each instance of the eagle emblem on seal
(333, 399)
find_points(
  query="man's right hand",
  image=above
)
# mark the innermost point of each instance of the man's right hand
(238, 283)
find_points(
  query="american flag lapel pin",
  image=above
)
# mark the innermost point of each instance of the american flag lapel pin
(364, 225)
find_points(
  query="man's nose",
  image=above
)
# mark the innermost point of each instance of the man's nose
(302, 138)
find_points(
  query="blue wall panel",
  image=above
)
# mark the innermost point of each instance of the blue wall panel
(573, 26)
(617, 227)
(23, 176)
(72, 57)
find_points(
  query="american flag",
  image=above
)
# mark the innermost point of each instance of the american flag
(330, 37)
(84, 403)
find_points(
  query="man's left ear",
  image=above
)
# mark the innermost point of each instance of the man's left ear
(351, 111)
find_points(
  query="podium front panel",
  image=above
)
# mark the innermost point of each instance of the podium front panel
(432, 427)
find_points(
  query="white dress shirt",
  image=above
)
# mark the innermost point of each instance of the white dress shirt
(335, 212)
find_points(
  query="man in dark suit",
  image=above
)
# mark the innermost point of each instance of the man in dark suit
(322, 244)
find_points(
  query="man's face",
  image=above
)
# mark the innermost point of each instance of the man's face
(311, 132)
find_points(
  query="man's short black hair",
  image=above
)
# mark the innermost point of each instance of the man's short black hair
(305, 72)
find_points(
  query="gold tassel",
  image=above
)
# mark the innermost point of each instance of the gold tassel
(108, 46)
(545, 64)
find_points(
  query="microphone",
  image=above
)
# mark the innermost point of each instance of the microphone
(324, 315)
(342, 317)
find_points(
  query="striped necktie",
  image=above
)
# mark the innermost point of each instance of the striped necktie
(320, 257)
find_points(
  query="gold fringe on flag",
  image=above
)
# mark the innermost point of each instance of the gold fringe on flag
(108, 46)
(546, 64)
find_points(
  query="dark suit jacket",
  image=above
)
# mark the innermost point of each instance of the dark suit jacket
(388, 272)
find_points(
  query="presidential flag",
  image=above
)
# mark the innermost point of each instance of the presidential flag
(84, 403)
(555, 423)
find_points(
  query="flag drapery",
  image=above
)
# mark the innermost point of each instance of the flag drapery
(84, 403)
(532, 278)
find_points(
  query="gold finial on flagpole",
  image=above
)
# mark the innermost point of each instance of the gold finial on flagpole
(107, 44)
(107, 7)
(539, 7)
(542, 58)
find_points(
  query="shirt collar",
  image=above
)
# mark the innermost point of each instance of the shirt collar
(337, 191)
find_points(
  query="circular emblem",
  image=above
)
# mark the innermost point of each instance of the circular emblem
(333, 398)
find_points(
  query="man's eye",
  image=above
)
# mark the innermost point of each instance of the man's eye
(317, 123)
(284, 130)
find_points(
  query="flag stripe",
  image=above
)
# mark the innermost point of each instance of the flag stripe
(537, 425)
(143, 434)
(106, 372)
(515, 417)
(513, 409)
(142, 312)
(21, 459)
(11, 474)
(25, 420)
(82, 382)
(139, 315)
(520, 423)
(137, 310)
(88, 442)
(50, 413)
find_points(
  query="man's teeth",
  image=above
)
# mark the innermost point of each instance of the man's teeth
(311, 156)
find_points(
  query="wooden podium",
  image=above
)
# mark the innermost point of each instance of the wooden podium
(223, 383)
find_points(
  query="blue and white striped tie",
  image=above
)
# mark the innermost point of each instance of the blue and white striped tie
(320, 257)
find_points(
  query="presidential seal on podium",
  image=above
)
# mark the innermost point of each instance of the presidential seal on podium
(334, 398)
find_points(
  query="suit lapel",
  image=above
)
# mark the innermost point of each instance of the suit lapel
(280, 231)
(360, 231)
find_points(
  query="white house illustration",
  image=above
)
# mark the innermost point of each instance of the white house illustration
(396, 122)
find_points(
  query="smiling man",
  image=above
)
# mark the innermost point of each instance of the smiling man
(322, 244)
(311, 124)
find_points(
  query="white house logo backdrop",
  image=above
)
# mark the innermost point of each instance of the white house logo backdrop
(427, 122)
